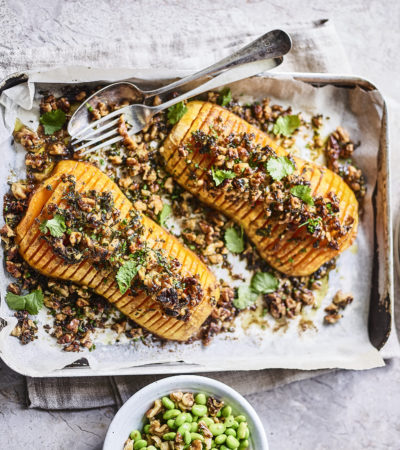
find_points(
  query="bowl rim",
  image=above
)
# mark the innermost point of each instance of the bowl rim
(146, 394)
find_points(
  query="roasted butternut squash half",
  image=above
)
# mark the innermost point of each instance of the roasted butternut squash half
(79, 226)
(298, 214)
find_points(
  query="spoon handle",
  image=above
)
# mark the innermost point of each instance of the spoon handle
(226, 77)
(273, 44)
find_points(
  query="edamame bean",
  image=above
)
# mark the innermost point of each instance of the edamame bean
(223, 447)
(226, 411)
(189, 417)
(146, 428)
(171, 414)
(220, 439)
(200, 399)
(219, 414)
(168, 403)
(180, 419)
(151, 447)
(232, 442)
(235, 425)
(135, 435)
(199, 410)
(196, 436)
(240, 419)
(241, 431)
(244, 444)
(229, 421)
(194, 427)
(169, 436)
(230, 432)
(171, 423)
(187, 438)
(139, 444)
(184, 427)
(207, 420)
(247, 434)
(217, 429)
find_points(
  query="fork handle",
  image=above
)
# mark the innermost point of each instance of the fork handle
(273, 44)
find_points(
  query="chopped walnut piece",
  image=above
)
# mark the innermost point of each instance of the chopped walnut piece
(25, 329)
(196, 445)
(157, 407)
(332, 318)
(57, 148)
(7, 231)
(176, 396)
(157, 429)
(28, 138)
(128, 444)
(19, 190)
(342, 300)
(214, 405)
(186, 402)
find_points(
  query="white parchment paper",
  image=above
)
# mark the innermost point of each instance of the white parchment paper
(344, 345)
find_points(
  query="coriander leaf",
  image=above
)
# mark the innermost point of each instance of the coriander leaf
(220, 175)
(280, 167)
(16, 302)
(264, 283)
(286, 125)
(225, 97)
(245, 297)
(234, 241)
(53, 121)
(56, 226)
(126, 273)
(165, 212)
(176, 112)
(303, 192)
(32, 302)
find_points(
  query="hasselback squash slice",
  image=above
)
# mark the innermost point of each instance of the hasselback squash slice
(150, 305)
(296, 231)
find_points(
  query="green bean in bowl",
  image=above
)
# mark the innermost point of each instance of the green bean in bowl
(184, 420)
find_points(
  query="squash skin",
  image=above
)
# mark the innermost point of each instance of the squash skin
(142, 308)
(292, 257)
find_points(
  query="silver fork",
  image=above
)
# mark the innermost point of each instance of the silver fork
(263, 54)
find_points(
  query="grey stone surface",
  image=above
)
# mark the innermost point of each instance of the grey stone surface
(347, 410)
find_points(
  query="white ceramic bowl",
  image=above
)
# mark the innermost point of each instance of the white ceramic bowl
(131, 415)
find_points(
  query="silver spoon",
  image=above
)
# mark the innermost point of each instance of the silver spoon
(271, 47)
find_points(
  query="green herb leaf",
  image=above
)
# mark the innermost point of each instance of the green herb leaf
(234, 240)
(245, 297)
(164, 214)
(53, 121)
(225, 97)
(264, 283)
(280, 167)
(176, 112)
(286, 125)
(56, 226)
(126, 273)
(32, 302)
(312, 224)
(220, 175)
(303, 192)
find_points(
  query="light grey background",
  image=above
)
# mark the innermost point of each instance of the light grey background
(346, 410)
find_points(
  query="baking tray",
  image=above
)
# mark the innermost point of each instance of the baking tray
(380, 317)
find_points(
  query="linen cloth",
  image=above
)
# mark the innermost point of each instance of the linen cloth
(316, 48)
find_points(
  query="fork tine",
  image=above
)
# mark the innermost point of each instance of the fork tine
(88, 136)
(102, 144)
(97, 139)
(92, 125)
